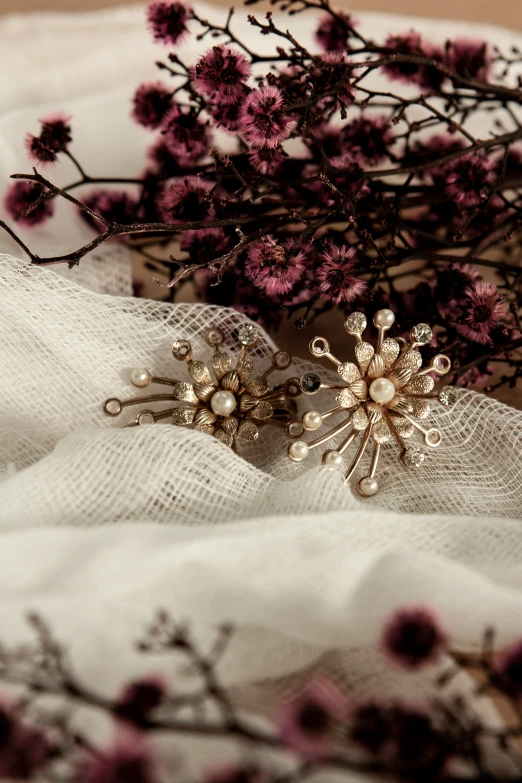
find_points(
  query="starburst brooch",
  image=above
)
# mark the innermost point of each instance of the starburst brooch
(231, 406)
(386, 395)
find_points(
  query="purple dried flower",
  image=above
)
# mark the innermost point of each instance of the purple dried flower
(469, 179)
(470, 58)
(186, 137)
(262, 120)
(117, 206)
(151, 103)
(273, 267)
(55, 136)
(333, 36)
(306, 721)
(221, 73)
(414, 744)
(140, 698)
(266, 160)
(368, 138)
(369, 725)
(204, 244)
(24, 749)
(184, 199)
(163, 164)
(127, 760)
(452, 281)
(334, 276)
(19, 196)
(482, 309)
(508, 670)
(168, 21)
(226, 115)
(413, 637)
(411, 43)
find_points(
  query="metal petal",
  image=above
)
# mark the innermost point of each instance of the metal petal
(349, 372)
(400, 404)
(381, 432)
(364, 353)
(247, 402)
(245, 367)
(204, 391)
(263, 410)
(183, 415)
(421, 408)
(376, 367)
(205, 416)
(403, 426)
(411, 359)
(184, 391)
(229, 424)
(258, 387)
(374, 412)
(248, 431)
(360, 419)
(360, 389)
(390, 349)
(346, 398)
(224, 437)
(199, 372)
(399, 376)
(230, 381)
(420, 384)
(221, 363)
(207, 429)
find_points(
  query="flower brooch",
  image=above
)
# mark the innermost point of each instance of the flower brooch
(225, 402)
(385, 396)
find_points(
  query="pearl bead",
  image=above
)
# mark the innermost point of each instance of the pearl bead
(140, 377)
(223, 403)
(332, 459)
(298, 450)
(382, 390)
(384, 318)
(312, 420)
(368, 486)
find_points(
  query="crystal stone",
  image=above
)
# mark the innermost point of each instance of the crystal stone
(421, 334)
(247, 335)
(448, 395)
(310, 383)
(355, 323)
(413, 458)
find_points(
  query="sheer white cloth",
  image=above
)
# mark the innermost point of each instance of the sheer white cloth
(101, 526)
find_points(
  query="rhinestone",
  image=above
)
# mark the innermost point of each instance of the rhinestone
(282, 360)
(294, 428)
(247, 335)
(413, 458)
(355, 323)
(421, 334)
(449, 395)
(310, 383)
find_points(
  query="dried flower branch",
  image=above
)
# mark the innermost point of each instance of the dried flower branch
(340, 191)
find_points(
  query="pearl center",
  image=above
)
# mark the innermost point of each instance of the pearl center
(223, 403)
(382, 390)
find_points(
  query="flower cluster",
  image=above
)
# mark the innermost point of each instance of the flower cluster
(311, 177)
(318, 727)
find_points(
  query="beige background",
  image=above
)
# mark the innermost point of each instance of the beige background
(503, 12)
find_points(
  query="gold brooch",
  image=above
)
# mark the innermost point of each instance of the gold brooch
(386, 395)
(231, 406)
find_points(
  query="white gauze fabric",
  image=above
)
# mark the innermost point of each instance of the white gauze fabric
(100, 526)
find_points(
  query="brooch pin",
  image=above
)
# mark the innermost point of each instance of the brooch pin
(231, 406)
(386, 396)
